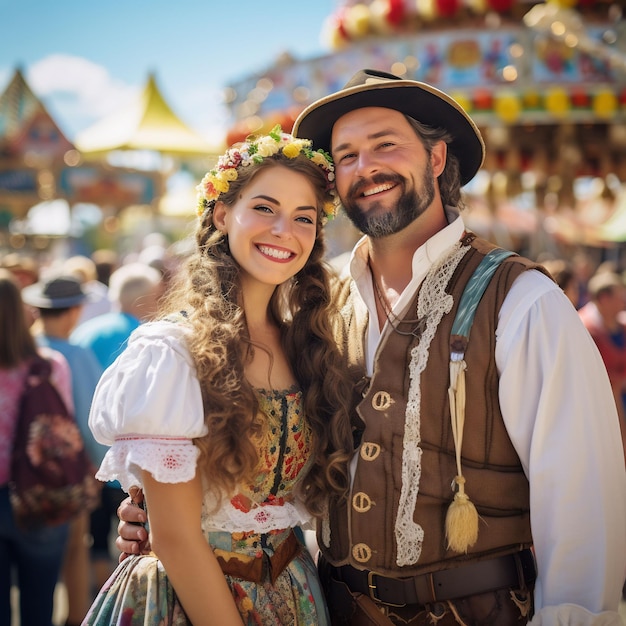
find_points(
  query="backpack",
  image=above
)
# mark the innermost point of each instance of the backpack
(52, 479)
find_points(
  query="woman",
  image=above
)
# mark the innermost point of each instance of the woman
(34, 556)
(242, 378)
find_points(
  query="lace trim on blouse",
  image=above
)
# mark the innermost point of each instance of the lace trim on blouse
(263, 518)
(168, 459)
(174, 460)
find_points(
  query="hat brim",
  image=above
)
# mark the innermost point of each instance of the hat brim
(421, 101)
(32, 295)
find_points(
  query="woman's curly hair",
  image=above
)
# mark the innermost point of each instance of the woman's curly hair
(209, 292)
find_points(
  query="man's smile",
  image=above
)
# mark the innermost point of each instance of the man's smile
(377, 189)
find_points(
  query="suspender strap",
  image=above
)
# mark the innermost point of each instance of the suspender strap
(473, 292)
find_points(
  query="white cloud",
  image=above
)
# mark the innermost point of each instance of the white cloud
(77, 91)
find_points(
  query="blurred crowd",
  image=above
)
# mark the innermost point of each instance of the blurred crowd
(598, 292)
(81, 311)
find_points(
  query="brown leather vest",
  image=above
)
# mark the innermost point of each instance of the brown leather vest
(362, 530)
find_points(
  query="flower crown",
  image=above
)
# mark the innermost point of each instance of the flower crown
(252, 152)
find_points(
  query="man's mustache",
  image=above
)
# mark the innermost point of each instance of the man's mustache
(356, 190)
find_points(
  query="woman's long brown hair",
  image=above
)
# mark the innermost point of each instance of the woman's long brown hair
(209, 292)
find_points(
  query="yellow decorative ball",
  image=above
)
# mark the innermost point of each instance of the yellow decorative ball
(604, 104)
(557, 102)
(507, 107)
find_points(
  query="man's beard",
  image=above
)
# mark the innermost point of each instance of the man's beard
(411, 205)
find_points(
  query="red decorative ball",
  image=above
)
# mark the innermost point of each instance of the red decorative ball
(483, 100)
(447, 8)
(396, 12)
(580, 99)
(340, 20)
(500, 5)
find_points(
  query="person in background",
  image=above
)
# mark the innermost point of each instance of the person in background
(59, 301)
(584, 268)
(26, 270)
(563, 273)
(134, 292)
(106, 262)
(603, 317)
(234, 407)
(97, 302)
(32, 558)
(23, 266)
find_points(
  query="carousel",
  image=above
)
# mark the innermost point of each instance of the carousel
(545, 82)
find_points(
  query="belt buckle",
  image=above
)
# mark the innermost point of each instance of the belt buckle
(372, 590)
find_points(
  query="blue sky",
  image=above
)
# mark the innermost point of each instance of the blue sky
(84, 59)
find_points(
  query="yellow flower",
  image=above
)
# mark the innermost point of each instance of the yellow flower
(246, 604)
(221, 186)
(229, 174)
(291, 151)
(330, 210)
(319, 159)
(302, 143)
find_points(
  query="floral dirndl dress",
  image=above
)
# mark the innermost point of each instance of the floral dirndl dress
(139, 592)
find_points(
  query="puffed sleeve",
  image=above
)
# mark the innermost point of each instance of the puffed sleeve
(148, 408)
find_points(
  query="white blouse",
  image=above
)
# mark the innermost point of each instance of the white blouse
(148, 408)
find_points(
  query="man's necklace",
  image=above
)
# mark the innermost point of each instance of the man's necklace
(384, 303)
(392, 318)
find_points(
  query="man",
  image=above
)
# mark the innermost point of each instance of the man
(59, 302)
(539, 445)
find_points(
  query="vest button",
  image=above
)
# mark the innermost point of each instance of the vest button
(361, 502)
(381, 401)
(369, 451)
(361, 552)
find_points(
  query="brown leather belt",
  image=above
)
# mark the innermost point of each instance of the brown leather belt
(256, 569)
(515, 571)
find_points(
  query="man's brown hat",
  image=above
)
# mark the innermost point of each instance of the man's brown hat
(422, 102)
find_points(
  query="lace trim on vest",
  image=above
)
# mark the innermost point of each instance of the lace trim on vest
(433, 303)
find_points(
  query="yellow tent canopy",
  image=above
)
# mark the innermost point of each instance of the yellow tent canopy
(148, 123)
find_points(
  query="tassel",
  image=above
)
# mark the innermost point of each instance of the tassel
(462, 517)
(461, 520)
